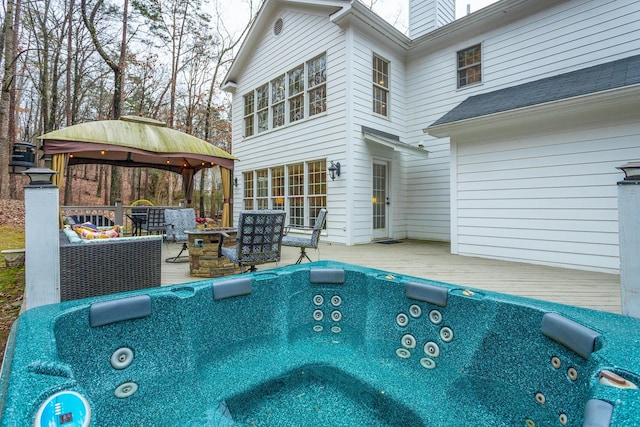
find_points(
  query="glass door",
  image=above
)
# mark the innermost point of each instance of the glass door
(380, 199)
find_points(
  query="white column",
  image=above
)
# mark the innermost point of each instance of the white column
(42, 259)
(629, 235)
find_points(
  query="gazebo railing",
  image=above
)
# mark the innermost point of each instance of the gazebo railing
(105, 215)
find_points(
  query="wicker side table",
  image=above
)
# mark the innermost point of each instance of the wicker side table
(203, 253)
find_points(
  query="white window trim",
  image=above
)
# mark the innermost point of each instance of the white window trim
(458, 87)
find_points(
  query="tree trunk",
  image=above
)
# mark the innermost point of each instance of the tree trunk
(116, 184)
(115, 188)
(11, 130)
(132, 180)
(106, 184)
(7, 80)
(68, 188)
(67, 107)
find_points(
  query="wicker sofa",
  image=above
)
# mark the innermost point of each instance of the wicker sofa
(99, 267)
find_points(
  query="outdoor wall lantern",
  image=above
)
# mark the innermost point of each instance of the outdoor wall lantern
(40, 176)
(235, 181)
(22, 157)
(334, 170)
(631, 171)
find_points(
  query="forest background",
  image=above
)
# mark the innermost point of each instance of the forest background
(66, 62)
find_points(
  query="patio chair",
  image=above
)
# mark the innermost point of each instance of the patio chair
(306, 241)
(138, 217)
(155, 223)
(258, 241)
(177, 222)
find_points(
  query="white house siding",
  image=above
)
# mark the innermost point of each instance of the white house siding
(304, 36)
(548, 198)
(427, 15)
(566, 37)
(363, 153)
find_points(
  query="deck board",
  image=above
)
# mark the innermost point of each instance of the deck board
(432, 260)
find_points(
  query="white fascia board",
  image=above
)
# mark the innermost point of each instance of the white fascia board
(362, 17)
(396, 145)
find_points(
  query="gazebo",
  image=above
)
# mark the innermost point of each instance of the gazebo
(139, 142)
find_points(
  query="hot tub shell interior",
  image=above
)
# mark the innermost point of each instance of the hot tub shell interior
(324, 343)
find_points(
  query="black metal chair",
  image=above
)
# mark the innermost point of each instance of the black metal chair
(258, 241)
(155, 223)
(138, 217)
(306, 241)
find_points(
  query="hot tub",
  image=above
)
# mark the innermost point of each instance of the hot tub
(322, 344)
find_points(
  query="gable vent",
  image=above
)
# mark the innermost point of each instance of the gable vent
(277, 27)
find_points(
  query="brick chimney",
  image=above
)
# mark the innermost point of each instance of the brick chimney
(427, 15)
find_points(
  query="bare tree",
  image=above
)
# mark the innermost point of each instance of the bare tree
(175, 24)
(68, 87)
(5, 93)
(69, 67)
(222, 57)
(69, 76)
(11, 130)
(118, 68)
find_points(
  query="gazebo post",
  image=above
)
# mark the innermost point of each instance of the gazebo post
(118, 218)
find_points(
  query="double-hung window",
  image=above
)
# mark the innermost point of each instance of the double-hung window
(470, 66)
(277, 188)
(317, 72)
(296, 94)
(380, 86)
(277, 101)
(248, 190)
(248, 114)
(300, 189)
(316, 188)
(262, 94)
(292, 96)
(262, 189)
(296, 194)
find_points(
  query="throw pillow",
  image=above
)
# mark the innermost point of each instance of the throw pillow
(88, 233)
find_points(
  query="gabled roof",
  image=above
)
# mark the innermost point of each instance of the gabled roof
(264, 19)
(611, 75)
(347, 13)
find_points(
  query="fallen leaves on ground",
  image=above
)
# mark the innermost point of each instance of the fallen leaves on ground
(12, 212)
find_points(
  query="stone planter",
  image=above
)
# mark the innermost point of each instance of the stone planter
(13, 257)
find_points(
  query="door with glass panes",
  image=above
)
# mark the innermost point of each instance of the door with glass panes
(380, 199)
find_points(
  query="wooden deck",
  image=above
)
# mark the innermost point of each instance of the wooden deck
(432, 260)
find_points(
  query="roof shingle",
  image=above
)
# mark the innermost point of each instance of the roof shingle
(611, 75)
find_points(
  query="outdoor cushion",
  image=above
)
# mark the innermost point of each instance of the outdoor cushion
(72, 236)
(89, 233)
